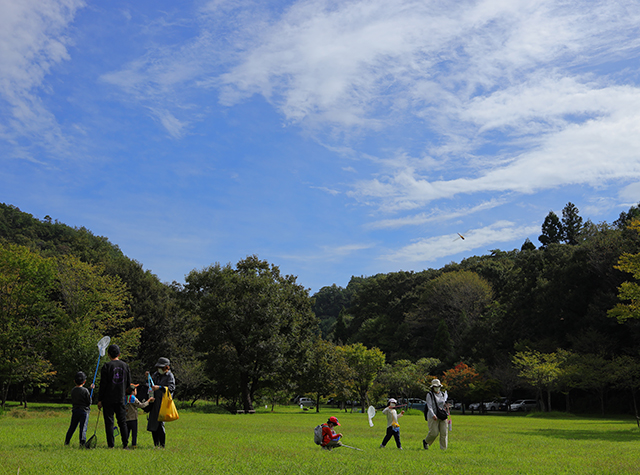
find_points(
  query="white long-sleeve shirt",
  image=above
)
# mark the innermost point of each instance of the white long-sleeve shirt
(392, 415)
(440, 399)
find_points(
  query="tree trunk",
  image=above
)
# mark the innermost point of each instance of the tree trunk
(635, 406)
(246, 394)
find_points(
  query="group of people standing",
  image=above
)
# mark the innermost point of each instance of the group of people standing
(117, 399)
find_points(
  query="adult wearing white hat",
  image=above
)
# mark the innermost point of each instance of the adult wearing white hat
(436, 416)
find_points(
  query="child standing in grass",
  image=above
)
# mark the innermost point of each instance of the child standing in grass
(133, 404)
(81, 400)
(393, 428)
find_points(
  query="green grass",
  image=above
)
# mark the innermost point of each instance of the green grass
(282, 442)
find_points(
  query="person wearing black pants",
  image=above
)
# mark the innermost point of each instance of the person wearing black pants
(393, 428)
(115, 377)
(162, 378)
(81, 400)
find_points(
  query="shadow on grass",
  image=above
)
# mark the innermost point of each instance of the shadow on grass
(631, 435)
(37, 410)
(201, 407)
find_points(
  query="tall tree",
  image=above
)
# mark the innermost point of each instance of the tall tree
(629, 291)
(27, 317)
(366, 364)
(552, 232)
(322, 369)
(94, 304)
(571, 224)
(540, 371)
(255, 322)
(456, 298)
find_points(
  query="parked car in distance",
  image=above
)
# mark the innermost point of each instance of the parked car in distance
(416, 403)
(457, 406)
(495, 404)
(474, 406)
(305, 401)
(523, 405)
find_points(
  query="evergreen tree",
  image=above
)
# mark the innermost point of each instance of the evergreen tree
(552, 232)
(571, 224)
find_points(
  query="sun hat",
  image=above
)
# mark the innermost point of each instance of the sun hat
(435, 382)
(162, 362)
(393, 401)
(333, 420)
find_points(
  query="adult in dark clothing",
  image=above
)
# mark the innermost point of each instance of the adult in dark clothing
(162, 378)
(115, 378)
(81, 406)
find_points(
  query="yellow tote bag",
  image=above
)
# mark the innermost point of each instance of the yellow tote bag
(168, 411)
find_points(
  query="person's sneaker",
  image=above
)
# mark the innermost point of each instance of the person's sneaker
(399, 448)
(425, 445)
(381, 446)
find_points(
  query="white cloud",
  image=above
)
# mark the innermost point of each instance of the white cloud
(631, 193)
(432, 249)
(330, 191)
(434, 215)
(175, 127)
(32, 41)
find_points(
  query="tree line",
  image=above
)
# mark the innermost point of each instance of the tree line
(245, 333)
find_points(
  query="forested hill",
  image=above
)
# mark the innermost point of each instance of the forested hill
(485, 308)
(148, 303)
(52, 238)
(62, 288)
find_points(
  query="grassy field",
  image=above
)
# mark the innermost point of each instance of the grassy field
(31, 442)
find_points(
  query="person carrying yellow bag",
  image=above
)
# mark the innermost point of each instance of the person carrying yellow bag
(168, 411)
(163, 383)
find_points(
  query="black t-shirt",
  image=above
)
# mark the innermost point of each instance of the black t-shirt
(115, 378)
(81, 398)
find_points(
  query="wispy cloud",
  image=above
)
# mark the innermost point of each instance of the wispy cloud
(434, 216)
(33, 40)
(432, 249)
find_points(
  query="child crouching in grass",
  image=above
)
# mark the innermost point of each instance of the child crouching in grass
(133, 404)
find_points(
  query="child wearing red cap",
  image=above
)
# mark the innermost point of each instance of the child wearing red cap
(329, 437)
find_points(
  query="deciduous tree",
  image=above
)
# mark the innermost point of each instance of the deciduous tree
(366, 364)
(255, 322)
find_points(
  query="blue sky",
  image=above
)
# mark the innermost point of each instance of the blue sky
(331, 138)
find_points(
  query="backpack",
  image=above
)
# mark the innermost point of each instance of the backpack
(317, 434)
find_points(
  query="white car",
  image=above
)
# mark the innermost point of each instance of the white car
(523, 405)
(305, 401)
(494, 405)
